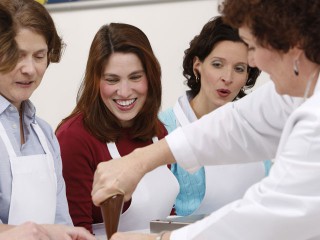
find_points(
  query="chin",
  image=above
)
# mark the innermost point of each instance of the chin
(280, 91)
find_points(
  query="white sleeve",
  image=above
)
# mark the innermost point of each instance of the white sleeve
(284, 205)
(246, 130)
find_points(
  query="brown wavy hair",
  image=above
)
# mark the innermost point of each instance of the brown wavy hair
(9, 52)
(34, 16)
(97, 118)
(279, 24)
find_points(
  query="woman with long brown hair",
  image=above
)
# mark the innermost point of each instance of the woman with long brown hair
(116, 112)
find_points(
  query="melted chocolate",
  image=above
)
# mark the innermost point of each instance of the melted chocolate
(111, 210)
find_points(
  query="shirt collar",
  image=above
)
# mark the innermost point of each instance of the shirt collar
(29, 110)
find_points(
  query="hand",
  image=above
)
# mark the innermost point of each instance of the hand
(133, 236)
(121, 176)
(118, 176)
(26, 231)
(63, 232)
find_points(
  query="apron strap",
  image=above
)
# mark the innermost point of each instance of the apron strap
(41, 137)
(113, 150)
(6, 141)
(181, 117)
(9, 146)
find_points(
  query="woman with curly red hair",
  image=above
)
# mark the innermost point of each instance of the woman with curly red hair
(279, 121)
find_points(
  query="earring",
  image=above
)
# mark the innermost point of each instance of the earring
(295, 68)
(197, 79)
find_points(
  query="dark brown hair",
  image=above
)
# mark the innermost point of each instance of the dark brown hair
(34, 16)
(279, 24)
(202, 45)
(9, 53)
(98, 119)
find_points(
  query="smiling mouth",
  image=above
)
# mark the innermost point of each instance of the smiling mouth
(125, 103)
(25, 83)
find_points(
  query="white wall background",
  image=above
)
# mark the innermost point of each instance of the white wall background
(169, 26)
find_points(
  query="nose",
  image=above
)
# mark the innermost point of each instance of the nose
(28, 66)
(124, 89)
(227, 76)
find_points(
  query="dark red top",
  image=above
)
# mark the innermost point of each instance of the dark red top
(81, 152)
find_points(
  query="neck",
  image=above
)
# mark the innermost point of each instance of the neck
(311, 75)
(201, 106)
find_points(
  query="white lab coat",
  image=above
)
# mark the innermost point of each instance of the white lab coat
(263, 125)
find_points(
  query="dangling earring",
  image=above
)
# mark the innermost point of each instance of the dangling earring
(197, 78)
(295, 68)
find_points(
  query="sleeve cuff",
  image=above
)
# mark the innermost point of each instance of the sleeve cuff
(182, 151)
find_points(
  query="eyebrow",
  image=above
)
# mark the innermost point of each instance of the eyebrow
(115, 75)
(221, 58)
(44, 50)
(137, 72)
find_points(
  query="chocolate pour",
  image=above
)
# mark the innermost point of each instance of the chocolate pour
(111, 210)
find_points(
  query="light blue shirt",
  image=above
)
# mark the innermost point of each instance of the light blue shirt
(9, 117)
(192, 185)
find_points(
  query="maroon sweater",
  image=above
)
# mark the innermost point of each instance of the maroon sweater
(81, 152)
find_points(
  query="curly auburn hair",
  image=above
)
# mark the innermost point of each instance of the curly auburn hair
(279, 24)
(202, 45)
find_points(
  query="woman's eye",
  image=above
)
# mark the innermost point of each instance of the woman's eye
(111, 81)
(240, 69)
(217, 64)
(136, 77)
(39, 57)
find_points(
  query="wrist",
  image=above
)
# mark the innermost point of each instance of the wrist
(163, 236)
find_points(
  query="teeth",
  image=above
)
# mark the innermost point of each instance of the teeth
(126, 102)
(25, 83)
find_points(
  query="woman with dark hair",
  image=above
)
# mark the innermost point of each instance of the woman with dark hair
(217, 72)
(32, 188)
(279, 121)
(116, 112)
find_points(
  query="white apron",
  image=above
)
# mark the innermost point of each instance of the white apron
(34, 183)
(224, 183)
(153, 198)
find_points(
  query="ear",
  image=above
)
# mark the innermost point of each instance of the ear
(196, 66)
(296, 53)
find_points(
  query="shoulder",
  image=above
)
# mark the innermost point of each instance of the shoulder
(72, 124)
(45, 127)
(168, 119)
(73, 131)
(50, 136)
(164, 131)
(78, 144)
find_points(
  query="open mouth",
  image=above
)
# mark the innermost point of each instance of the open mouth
(223, 92)
(125, 103)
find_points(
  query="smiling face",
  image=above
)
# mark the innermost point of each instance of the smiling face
(19, 84)
(223, 73)
(124, 86)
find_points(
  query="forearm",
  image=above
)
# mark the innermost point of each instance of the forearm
(5, 227)
(165, 236)
(153, 156)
